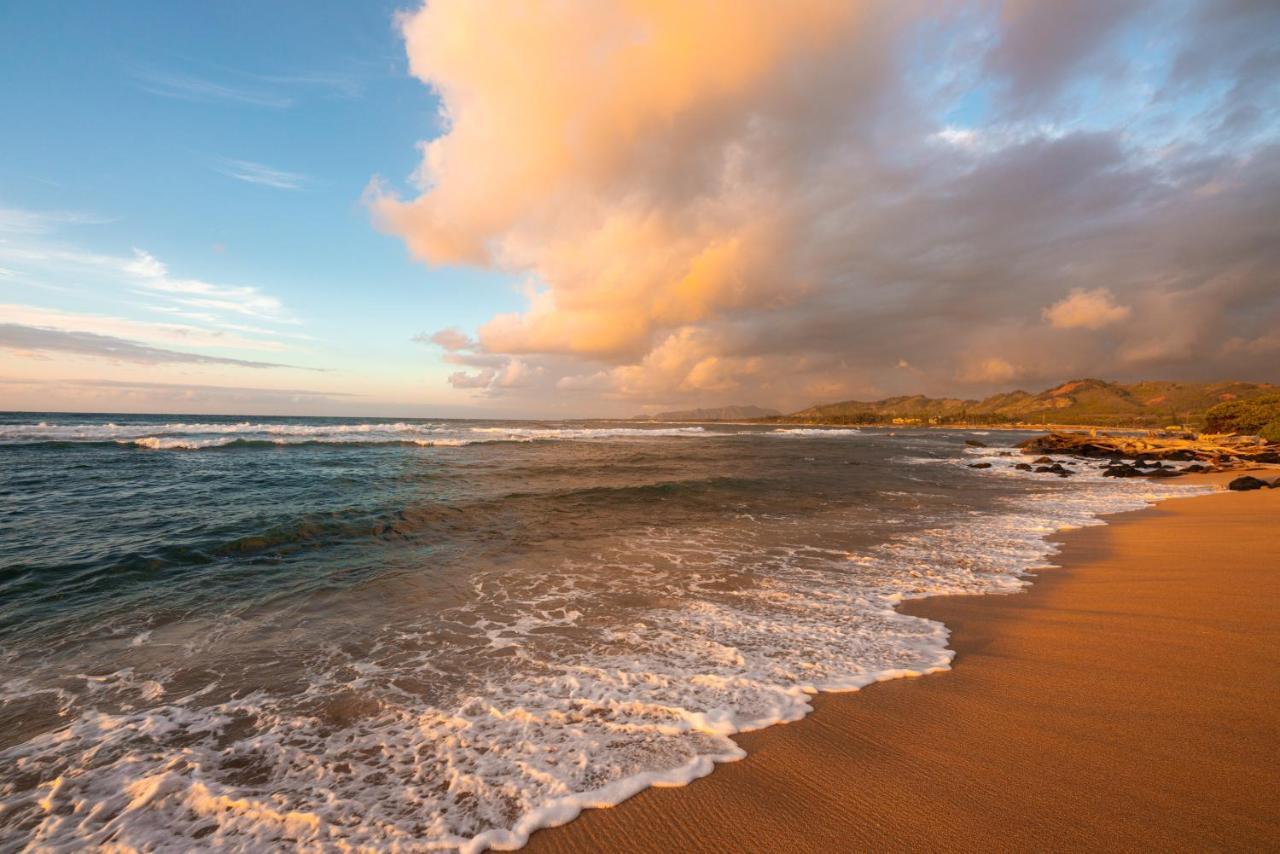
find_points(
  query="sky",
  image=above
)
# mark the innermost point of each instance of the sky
(556, 208)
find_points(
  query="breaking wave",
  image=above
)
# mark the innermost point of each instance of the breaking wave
(199, 436)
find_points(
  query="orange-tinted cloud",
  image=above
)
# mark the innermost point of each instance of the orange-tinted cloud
(1086, 309)
(604, 148)
(761, 201)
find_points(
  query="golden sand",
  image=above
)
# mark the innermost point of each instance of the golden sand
(1129, 700)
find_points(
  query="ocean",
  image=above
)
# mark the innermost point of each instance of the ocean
(323, 633)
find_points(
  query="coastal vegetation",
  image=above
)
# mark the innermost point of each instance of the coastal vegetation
(1258, 416)
(1218, 407)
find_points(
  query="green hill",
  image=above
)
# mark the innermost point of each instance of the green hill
(1085, 401)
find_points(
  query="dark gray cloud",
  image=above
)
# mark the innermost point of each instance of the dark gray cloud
(37, 339)
(1043, 44)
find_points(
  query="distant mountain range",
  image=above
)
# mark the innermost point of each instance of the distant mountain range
(715, 413)
(1085, 402)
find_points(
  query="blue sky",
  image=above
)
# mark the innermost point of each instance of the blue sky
(233, 142)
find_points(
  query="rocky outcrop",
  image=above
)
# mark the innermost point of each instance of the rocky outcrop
(1246, 483)
(1152, 447)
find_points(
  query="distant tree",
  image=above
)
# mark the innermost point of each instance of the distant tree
(1259, 416)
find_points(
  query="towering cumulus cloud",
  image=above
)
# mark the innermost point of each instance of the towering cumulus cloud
(792, 200)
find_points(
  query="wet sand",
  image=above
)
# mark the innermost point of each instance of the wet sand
(1129, 700)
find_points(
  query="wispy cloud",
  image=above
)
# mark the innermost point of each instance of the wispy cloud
(188, 387)
(181, 334)
(153, 275)
(186, 87)
(129, 395)
(147, 274)
(41, 340)
(276, 90)
(259, 173)
(335, 82)
(20, 221)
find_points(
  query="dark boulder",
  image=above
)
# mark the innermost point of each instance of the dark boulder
(1246, 483)
(1195, 467)
(1122, 471)
(1165, 473)
(979, 465)
(1044, 470)
(1041, 461)
(1023, 467)
(974, 443)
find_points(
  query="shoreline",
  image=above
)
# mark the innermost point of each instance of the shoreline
(1088, 709)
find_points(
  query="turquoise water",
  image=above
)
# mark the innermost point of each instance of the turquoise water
(260, 632)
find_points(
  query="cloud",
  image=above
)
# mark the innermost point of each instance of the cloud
(337, 83)
(447, 339)
(145, 273)
(476, 379)
(1086, 309)
(276, 90)
(185, 388)
(988, 371)
(258, 173)
(170, 84)
(106, 395)
(181, 334)
(511, 374)
(20, 221)
(1042, 44)
(773, 201)
(42, 340)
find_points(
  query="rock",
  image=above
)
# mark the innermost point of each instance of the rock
(979, 465)
(1195, 467)
(1246, 483)
(1165, 473)
(1122, 471)
(974, 443)
(1005, 454)
(1023, 467)
(1044, 470)
(1041, 461)
(1064, 474)
(1057, 468)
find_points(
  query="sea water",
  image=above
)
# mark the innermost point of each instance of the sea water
(330, 633)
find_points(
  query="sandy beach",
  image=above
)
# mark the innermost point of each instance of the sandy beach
(1128, 700)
